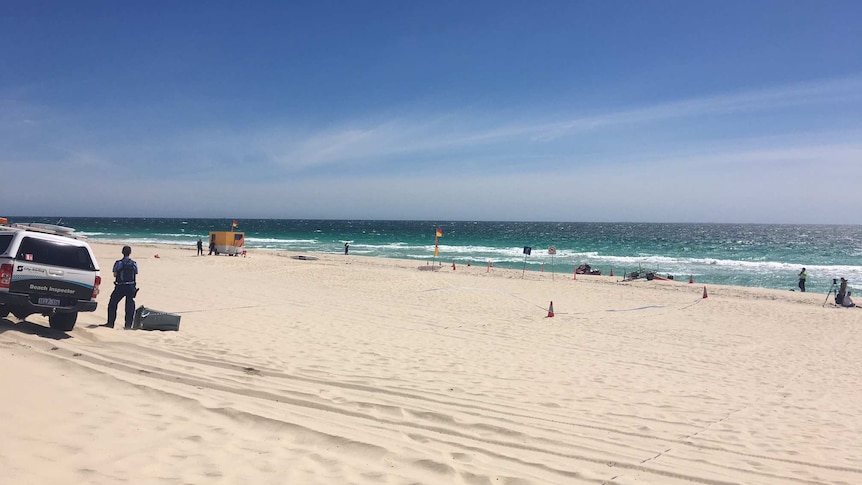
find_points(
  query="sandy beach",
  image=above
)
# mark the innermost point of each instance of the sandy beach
(357, 370)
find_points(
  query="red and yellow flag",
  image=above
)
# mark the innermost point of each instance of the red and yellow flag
(439, 232)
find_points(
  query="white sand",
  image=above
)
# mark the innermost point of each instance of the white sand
(354, 370)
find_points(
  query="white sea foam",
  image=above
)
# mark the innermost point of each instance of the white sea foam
(397, 245)
(267, 240)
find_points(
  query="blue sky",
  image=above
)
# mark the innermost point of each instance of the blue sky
(656, 111)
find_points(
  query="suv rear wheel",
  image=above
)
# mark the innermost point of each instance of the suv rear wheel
(64, 322)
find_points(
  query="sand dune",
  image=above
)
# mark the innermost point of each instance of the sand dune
(354, 370)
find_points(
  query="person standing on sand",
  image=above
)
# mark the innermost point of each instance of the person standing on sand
(803, 275)
(346, 247)
(200, 247)
(842, 290)
(125, 276)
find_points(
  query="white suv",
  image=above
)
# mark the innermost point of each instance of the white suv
(47, 270)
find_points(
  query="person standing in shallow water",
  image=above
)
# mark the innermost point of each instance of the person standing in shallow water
(346, 247)
(803, 275)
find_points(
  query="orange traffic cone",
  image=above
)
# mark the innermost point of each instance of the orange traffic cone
(690, 279)
(612, 271)
(551, 310)
(704, 293)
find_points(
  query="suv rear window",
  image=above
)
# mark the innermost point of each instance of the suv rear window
(55, 253)
(5, 239)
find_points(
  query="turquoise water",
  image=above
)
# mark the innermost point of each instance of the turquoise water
(755, 255)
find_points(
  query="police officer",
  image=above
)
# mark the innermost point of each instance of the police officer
(125, 274)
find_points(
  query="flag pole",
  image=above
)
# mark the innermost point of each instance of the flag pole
(527, 251)
(437, 234)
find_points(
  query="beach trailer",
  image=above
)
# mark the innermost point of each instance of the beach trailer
(231, 243)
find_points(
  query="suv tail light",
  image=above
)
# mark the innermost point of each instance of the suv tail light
(96, 286)
(5, 275)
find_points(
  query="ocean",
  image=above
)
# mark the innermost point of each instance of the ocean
(753, 255)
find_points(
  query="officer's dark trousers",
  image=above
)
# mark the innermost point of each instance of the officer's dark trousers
(120, 292)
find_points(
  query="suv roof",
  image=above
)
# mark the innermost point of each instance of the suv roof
(33, 233)
(51, 229)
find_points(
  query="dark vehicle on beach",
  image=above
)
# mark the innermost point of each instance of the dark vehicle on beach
(47, 270)
(587, 269)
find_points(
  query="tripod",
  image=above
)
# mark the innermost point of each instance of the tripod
(832, 289)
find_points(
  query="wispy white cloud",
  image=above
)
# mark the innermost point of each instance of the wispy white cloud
(353, 143)
(824, 91)
(364, 141)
